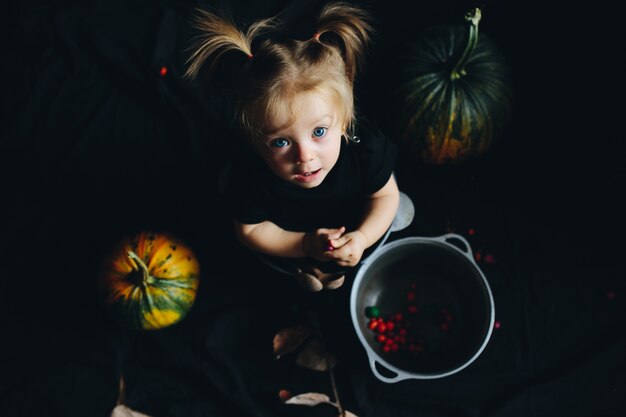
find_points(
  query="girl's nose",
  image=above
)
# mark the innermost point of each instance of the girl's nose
(304, 153)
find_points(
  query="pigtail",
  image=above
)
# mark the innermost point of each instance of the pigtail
(351, 25)
(218, 35)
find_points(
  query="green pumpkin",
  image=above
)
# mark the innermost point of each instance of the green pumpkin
(457, 94)
(149, 281)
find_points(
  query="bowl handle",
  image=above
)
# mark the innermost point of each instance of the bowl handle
(451, 236)
(372, 360)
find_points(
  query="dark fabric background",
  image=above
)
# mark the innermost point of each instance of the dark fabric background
(96, 144)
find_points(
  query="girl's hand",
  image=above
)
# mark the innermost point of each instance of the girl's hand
(315, 243)
(348, 248)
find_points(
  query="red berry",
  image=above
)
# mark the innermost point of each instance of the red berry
(284, 395)
(381, 338)
(163, 71)
(412, 309)
(447, 315)
(410, 296)
(415, 347)
(389, 325)
(386, 348)
(382, 327)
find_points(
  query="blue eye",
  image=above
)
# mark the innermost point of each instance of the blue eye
(318, 132)
(279, 143)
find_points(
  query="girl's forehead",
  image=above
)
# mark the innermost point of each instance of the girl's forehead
(302, 109)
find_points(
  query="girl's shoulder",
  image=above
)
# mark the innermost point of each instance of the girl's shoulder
(375, 155)
(369, 138)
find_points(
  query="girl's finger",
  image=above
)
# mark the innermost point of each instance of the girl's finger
(338, 242)
(336, 233)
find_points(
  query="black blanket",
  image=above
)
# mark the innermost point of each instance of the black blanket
(101, 136)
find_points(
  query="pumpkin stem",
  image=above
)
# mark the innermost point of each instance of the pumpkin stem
(472, 40)
(136, 260)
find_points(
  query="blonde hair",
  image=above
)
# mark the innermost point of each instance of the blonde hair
(278, 71)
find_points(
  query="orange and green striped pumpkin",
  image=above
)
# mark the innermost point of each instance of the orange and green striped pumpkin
(457, 94)
(149, 281)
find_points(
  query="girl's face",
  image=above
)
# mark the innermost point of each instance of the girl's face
(304, 152)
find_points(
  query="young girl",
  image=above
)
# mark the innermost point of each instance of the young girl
(306, 188)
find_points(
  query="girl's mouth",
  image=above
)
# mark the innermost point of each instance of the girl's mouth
(307, 176)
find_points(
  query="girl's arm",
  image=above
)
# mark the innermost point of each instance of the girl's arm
(380, 211)
(268, 238)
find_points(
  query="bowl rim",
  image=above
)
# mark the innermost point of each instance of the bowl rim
(373, 356)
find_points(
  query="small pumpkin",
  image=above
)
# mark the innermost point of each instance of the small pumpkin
(149, 281)
(457, 94)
